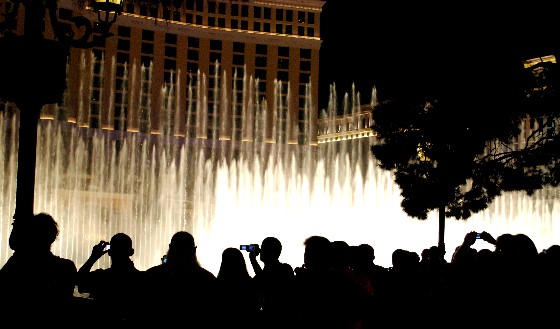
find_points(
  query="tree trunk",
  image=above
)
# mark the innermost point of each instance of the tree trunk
(441, 241)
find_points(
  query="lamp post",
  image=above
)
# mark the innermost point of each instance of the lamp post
(33, 70)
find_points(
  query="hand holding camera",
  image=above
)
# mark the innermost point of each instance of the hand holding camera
(253, 249)
(100, 249)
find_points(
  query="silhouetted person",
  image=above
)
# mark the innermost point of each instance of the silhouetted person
(434, 271)
(341, 257)
(238, 298)
(115, 290)
(406, 290)
(276, 284)
(36, 284)
(471, 280)
(371, 276)
(180, 292)
(550, 268)
(327, 298)
(520, 279)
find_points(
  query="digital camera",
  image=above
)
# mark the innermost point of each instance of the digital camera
(478, 236)
(107, 247)
(248, 247)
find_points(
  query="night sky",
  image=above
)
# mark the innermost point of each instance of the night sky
(396, 45)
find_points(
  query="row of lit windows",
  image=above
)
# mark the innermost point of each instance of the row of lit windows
(238, 61)
(236, 16)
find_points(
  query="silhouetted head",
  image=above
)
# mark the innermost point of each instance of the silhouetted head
(182, 247)
(362, 256)
(340, 251)
(121, 246)
(233, 264)
(317, 252)
(554, 251)
(404, 260)
(526, 249)
(368, 252)
(485, 258)
(271, 248)
(504, 243)
(34, 233)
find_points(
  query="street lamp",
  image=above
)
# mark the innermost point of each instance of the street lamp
(33, 69)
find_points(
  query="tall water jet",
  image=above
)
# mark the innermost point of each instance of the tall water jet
(231, 185)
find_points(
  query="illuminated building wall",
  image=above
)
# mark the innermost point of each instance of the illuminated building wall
(181, 42)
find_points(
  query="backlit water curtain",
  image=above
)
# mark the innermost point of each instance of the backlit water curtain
(99, 182)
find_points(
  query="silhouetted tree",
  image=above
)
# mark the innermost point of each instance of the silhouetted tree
(470, 133)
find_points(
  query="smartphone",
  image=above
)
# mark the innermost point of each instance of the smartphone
(107, 247)
(478, 236)
(164, 259)
(248, 247)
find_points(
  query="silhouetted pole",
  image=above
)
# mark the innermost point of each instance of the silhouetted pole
(33, 72)
(441, 241)
(25, 190)
(34, 75)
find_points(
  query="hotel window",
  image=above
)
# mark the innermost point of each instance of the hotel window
(211, 7)
(171, 39)
(304, 78)
(289, 15)
(283, 63)
(147, 35)
(310, 32)
(147, 48)
(124, 31)
(279, 14)
(283, 51)
(261, 49)
(215, 45)
(283, 76)
(123, 45)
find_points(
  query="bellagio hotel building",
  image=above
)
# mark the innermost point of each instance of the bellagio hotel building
(217, 46)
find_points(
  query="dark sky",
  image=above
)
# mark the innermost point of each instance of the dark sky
(395, 44)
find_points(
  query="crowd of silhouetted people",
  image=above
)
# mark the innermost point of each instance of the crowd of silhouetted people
(339, 286)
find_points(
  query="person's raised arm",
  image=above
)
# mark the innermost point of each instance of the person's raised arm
(253, 258)
(96, 252)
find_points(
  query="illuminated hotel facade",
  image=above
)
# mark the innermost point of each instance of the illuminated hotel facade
(199, 48)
